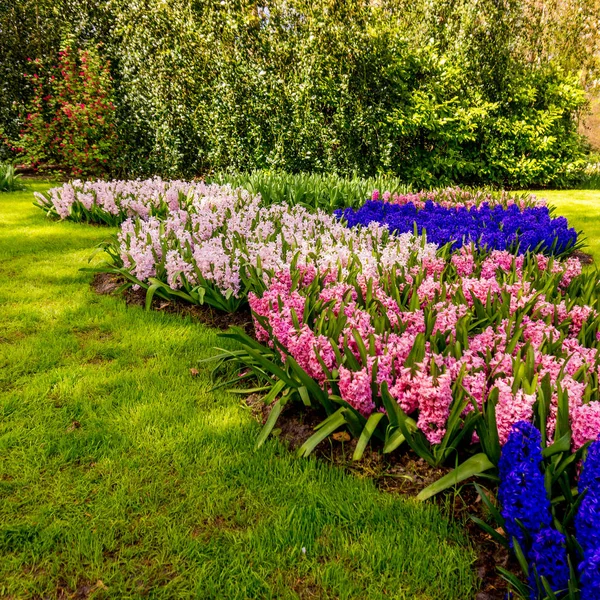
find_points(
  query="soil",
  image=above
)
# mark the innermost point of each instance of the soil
(584, 257)
(400, 472)
(106, 283)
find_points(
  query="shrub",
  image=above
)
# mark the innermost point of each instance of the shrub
(70, 121)
(433, 93)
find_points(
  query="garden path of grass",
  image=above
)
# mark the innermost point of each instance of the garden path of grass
(121, 476)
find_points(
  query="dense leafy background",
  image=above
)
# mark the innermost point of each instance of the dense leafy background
(434, 93)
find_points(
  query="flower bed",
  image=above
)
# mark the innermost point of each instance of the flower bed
(111, 202)
(515, 228)
(450, 357)
(491, 328)
(443, 350)
(453, 197)
(216, 249)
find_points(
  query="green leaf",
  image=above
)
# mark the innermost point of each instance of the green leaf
(150, 295)
(334, 421)
(276, 389)
(304, 395)
(472, 466)
(271, 420)
(561, 445)
(498, 537)
(520, 556)
(366, 434)
(515, 582)
(395, 440)
(493, 510)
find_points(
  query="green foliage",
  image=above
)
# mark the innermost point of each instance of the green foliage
(70, 121)
(365, 94)
(327, 192)
(9, 180)
(590, 174)
(433, 93)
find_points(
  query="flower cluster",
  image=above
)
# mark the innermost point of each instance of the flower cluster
(587, 524)
(428, 328)
(70, 122)
(114, 201)
(221, 234)
(455, 197)
(526, 509)
(489, 227)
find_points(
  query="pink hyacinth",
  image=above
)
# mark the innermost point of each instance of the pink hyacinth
(434, 398)
(511, 407)
(585, 423)
(355, 388)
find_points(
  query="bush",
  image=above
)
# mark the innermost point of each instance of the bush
(347, 89)
(70, 121)
(433, 93)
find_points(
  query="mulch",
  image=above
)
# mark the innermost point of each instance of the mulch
(400, 472)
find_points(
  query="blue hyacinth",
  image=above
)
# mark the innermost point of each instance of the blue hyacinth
(589, 576)
(488, 227)
(590, 474)
(587, 524)
(523, 497)
(548, 558)
(526, 509)
(522, 492)
(524, 445)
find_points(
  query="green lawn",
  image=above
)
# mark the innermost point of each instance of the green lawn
(582, 208)
(121, 476)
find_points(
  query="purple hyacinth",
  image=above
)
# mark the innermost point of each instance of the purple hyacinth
(548, 558)
(522, 492)
(490, 227)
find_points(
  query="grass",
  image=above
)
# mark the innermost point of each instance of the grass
(582, 209)
(122, 476)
